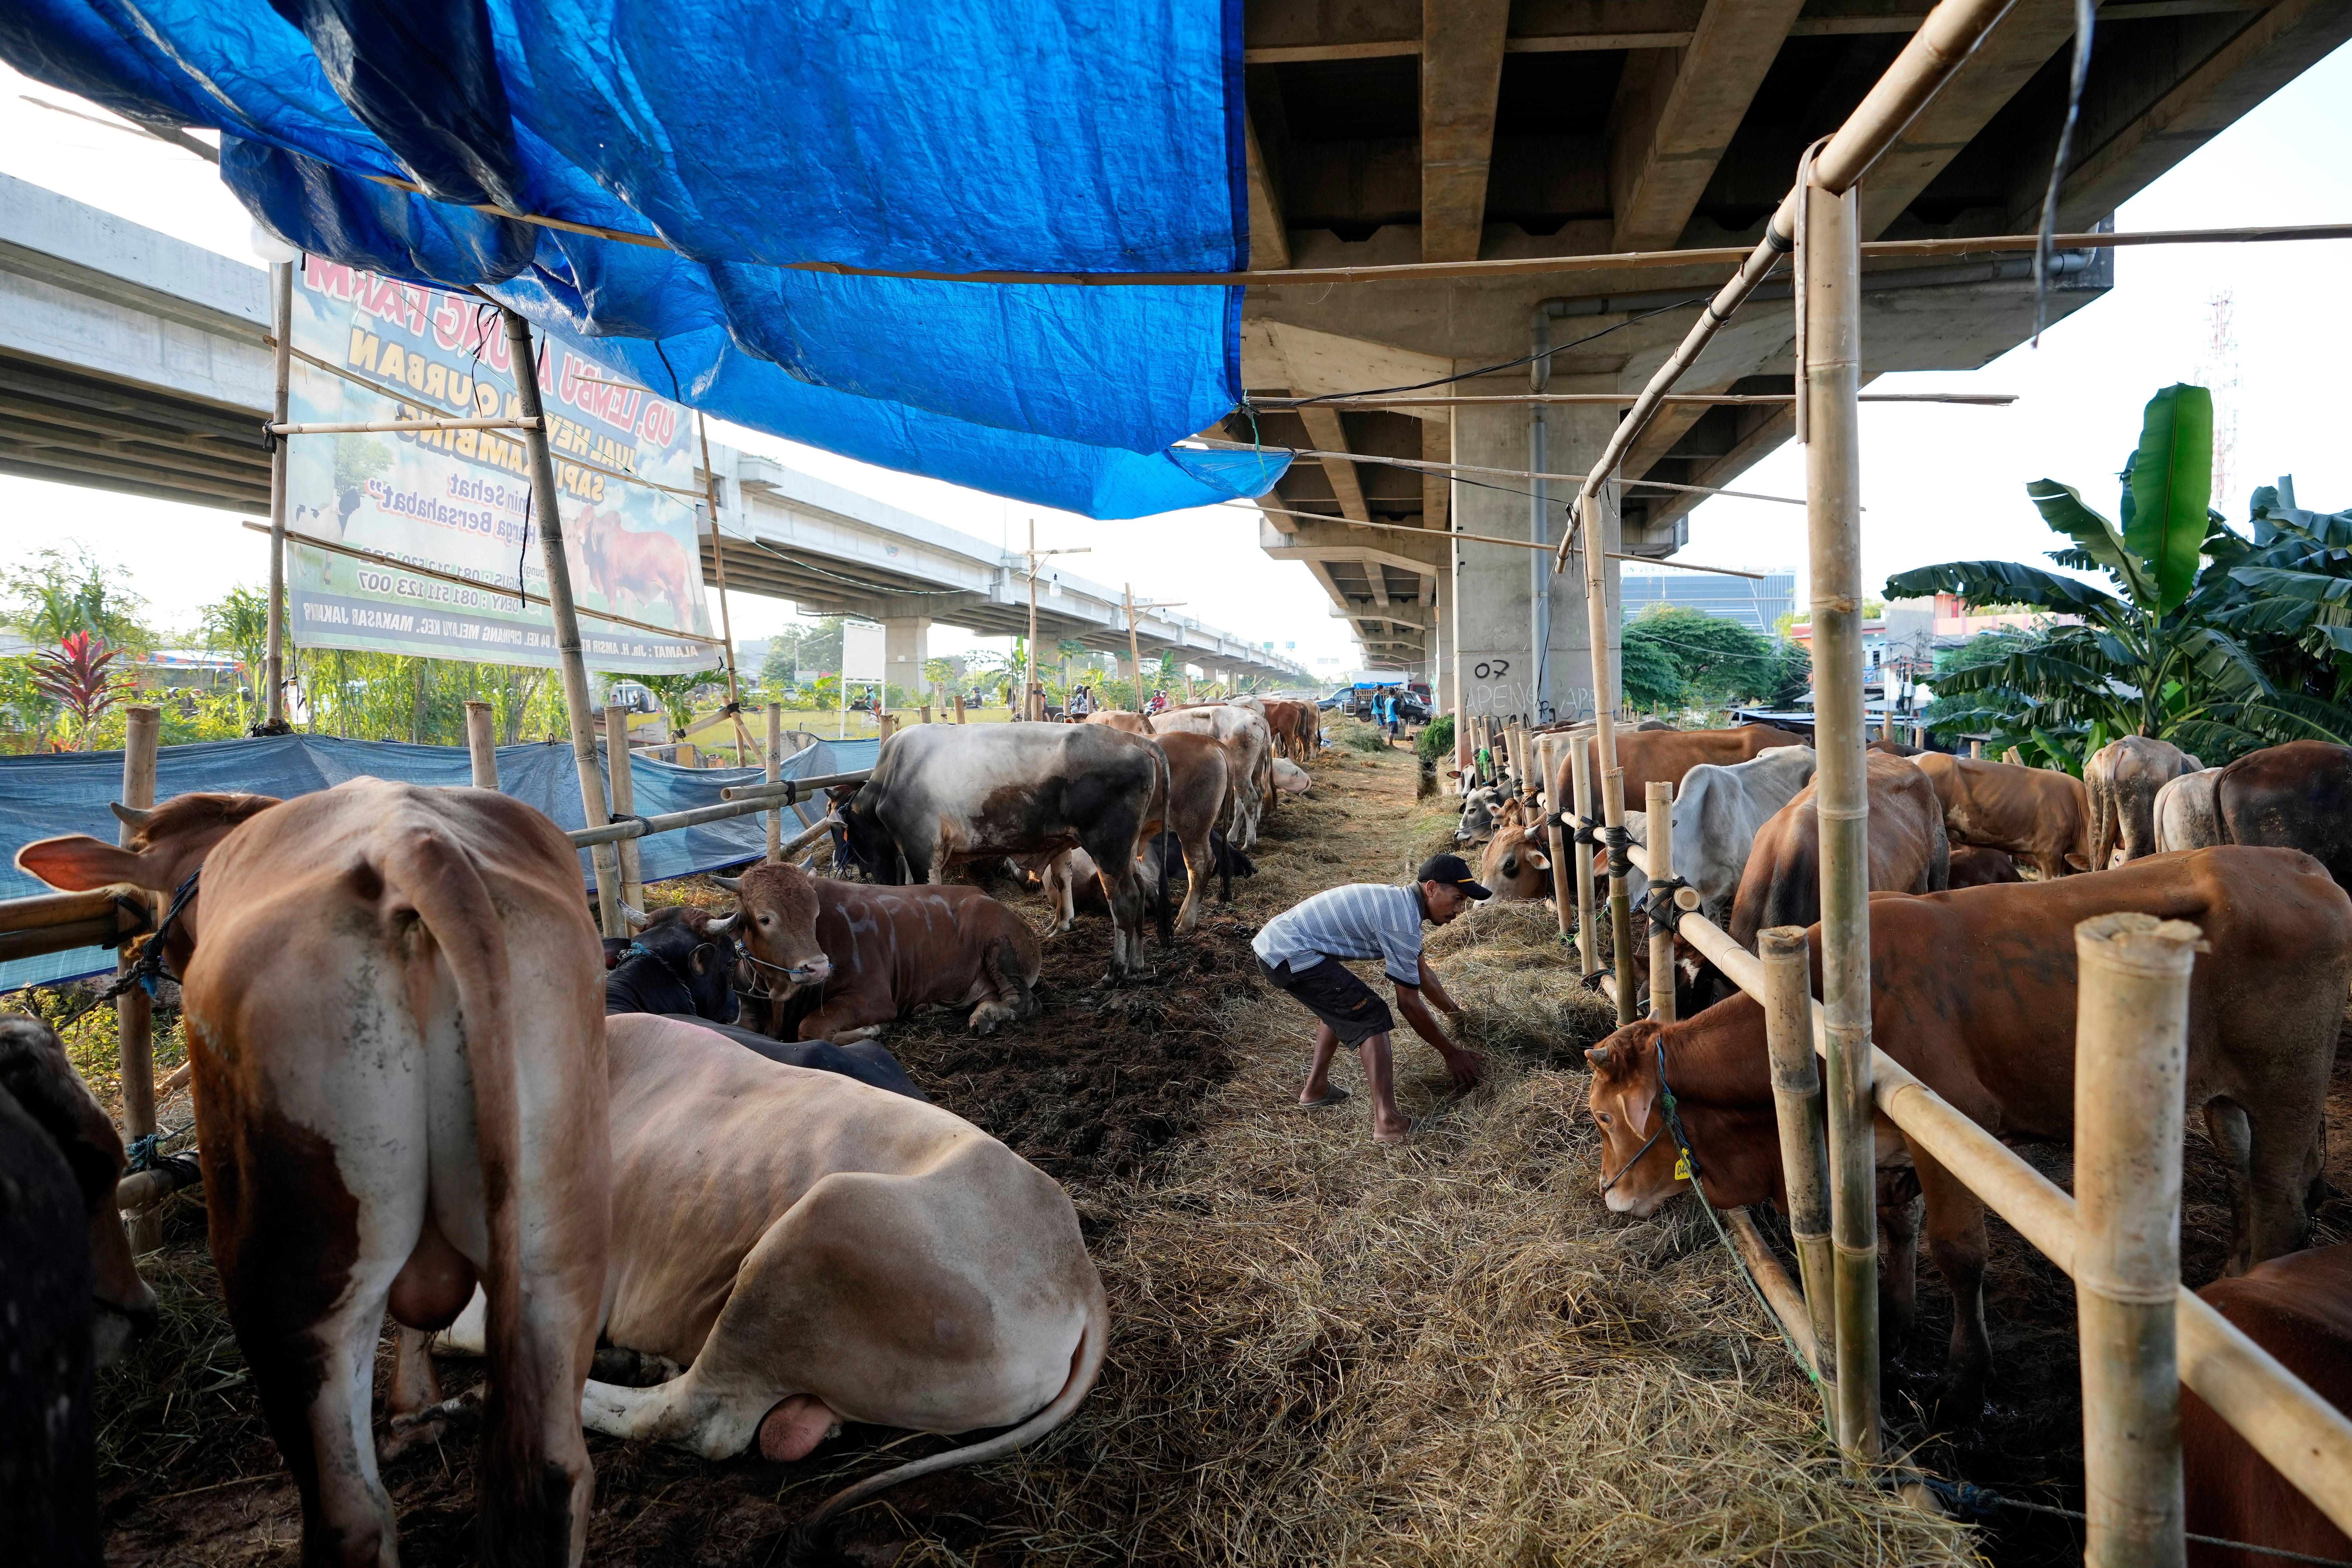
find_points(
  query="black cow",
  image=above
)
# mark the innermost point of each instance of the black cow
(1163, 856)
(944, 794)
(71, 1298)
(682, 962)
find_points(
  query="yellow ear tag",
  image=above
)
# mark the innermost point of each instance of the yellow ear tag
(1682, 1167)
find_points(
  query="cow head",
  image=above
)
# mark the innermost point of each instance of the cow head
(34, 1072)
(775, 916)
(1637, 1155)
(864, 845)
(697, 948)
(167, 846)
(1479, 808)
(1515, 865)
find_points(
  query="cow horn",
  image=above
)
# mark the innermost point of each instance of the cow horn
(635, 916)
(732, 884)
(721, 927)
(129, 816)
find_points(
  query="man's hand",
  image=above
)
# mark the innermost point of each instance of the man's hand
(1466, 1068)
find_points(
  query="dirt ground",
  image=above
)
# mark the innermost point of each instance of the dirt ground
(1322, 1352)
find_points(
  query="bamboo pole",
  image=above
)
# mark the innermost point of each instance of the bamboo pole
(482, 743)
(134, 1011)
(726, 620)
(1797, 1097)
(2131, 1057)
(579, 705)
(273, 659)
(1660, 806)
(958, 708)
(390, 427)
(771, 768)
(1563, 896)
(1830, 380)
(1134, 649)
(618, 765)
(752, 800)
(1620, 909)
(1580, 768)
(1773, 1281)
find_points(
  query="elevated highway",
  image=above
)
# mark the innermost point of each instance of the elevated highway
(136, 362)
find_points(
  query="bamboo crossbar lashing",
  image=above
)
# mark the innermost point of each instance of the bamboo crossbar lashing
(670, 822)
(2308, 1440)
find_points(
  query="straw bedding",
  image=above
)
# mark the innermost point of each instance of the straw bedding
(1323, 1352)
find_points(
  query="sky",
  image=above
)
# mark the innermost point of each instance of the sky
(1938, 482)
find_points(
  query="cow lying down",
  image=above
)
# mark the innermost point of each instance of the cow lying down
(815, 1251)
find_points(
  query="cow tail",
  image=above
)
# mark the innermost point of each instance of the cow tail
(2104, 825)
(1085, 1364)
(455, 908)
(1165, 783)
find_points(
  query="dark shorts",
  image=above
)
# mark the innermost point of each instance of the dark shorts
(1331, 991)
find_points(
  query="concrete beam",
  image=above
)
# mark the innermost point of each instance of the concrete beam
(1309, 363)
(1270, 241)
(2273, 48)
(1676, 110)
(1323, 428)
(1461, 77)
(1436, 447)
(2007, 59)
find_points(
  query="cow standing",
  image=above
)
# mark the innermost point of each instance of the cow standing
(1663, 756)
(1908, 850)
(391, 996)
(2037, 813)
(2295, 796)
(2120, 782)
(1250, 747)
(943, 794)
(1975, 992)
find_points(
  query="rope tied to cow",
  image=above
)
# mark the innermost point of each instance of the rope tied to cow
(141, 1150)
(1964, 1500)
(1660, 907)
(148, 970)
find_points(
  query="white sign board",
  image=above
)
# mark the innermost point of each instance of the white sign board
(458, 503)
(861, 652)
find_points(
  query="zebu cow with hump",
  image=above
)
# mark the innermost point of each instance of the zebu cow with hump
(815, 1251)
(2120, 782)
(2036, 814)
(394, 1003)
(1975, 992)
(1908, 850)
(944, 794)
(1250, 745)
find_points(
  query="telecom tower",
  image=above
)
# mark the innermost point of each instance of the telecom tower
(2218, 372)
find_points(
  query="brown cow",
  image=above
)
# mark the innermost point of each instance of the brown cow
(1908, 850)
(1518, 863)
(2295, 796)
(1975, 992)
(396, 1013)
(1250, 760)
(1294, 725)
(1666, 755)
(2034, 813)
(2121, 780)
(2298, 1307)
(1976, 867)
(839, 959)
(1120, 719)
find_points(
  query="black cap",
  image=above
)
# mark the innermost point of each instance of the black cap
(1453, 872)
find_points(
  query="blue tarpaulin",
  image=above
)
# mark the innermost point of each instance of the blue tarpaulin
(42, 797)
(917, 135)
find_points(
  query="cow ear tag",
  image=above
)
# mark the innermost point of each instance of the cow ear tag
(1682, 1167)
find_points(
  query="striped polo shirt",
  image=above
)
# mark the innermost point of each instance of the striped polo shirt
(1362, 919)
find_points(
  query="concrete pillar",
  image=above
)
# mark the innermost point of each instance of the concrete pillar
(1500, 679)
(906, 646)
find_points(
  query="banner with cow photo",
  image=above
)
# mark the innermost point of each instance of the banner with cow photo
(458, 503)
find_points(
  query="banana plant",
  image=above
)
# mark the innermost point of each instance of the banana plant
(2164, 651)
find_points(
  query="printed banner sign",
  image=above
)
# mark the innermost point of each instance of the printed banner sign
(458, 501)
(861, 651)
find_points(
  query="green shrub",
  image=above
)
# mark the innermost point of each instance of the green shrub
(1435, 743)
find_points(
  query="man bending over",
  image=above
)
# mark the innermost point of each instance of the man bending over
(1300, 952)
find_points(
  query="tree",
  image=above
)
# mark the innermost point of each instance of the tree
(1677, 657)
(677, 695)
(61, 593)
(2241, 652)
(239, 624)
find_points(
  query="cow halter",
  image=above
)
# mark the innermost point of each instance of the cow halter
(1686, 1165)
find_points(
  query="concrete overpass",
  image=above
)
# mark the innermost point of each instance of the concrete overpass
(135, 362)
(1402, 131)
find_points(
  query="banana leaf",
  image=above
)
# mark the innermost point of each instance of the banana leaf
(2008, 581)
(2062, 508)
(2171, 485)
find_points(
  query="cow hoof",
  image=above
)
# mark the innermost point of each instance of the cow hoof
(794, 1428)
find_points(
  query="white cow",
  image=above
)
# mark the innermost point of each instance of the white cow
(1249, 740)
(2186, 815)
(1718, 813)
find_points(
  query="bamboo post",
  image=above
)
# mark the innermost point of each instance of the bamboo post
(1830, 383)
(1660, 806)
(1588, 940)
(134, 1012)
(1976, 750)
(926, 712)
(1620, 909)
(1563, 896)
(2131, 1051)
(958, 708)
(1134, 648)
(1804, 1156)
(273, 659)
(624, 800)
(885, 725)
(579, 705)
(725, 622)
(482, 743)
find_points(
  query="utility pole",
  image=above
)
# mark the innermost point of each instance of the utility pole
(1134, 651)
(1033, 696)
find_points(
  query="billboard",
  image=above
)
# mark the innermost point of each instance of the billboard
(458, 503)
(861, 651)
